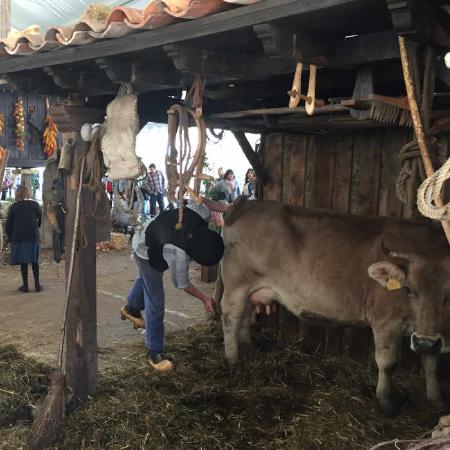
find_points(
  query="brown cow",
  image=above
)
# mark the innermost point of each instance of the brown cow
(337, 267)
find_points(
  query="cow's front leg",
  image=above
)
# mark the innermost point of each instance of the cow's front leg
(430, 363)
(233, 307)
(387, 347)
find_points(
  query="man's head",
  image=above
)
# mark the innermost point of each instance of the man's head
(152, 168)
(220, 172)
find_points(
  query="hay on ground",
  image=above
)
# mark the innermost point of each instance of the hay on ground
(275, 399)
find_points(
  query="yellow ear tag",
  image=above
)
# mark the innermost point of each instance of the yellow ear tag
(393, 284)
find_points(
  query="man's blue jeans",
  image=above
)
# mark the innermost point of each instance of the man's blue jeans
(148, 293)
(158, 197)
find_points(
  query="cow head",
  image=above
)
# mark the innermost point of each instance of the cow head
(425, 279)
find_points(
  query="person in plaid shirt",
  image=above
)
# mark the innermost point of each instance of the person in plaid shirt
(155, 185)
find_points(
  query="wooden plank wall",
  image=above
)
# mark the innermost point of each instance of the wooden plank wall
(33, 156)
(353, 173)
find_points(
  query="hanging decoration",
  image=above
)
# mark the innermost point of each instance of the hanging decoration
(2, 124)
(50, 137)
(20, 124)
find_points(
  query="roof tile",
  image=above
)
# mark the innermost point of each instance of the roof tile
(102, 22)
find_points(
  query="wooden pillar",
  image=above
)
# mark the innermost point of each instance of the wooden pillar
(81, 329)
(5, 17)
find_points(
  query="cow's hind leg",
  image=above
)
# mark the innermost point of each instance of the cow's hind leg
(430, 363)
(233, 307)
(387, 347)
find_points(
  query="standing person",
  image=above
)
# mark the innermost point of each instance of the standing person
(228, 188)
(155, 184)
(22, 229)
(249, 185)
(159, 246)
(219, 174)
(7, 183)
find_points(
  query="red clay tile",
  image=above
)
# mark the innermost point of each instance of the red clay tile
(194, 9)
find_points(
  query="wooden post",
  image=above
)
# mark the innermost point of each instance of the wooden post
(5, 17)
(81, 328)
(81, 331)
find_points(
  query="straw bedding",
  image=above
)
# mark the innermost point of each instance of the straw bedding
(276, 398)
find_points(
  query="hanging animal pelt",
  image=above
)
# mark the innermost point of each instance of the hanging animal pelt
(119, 141)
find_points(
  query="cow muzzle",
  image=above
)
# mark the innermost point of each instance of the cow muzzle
(426, 344)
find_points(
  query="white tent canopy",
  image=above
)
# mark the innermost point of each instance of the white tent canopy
(48, 13)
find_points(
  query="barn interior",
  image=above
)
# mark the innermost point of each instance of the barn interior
(322, 82)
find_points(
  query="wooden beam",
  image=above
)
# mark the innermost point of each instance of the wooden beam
(63, 78)
(5, 17)
(116, 71)
(84, 82)
(372, 47)
(277, 111)
(422, 20)
(141, 77)
(253, 157)
(247, 16)
(282, 42)
(33, 83)
(380, 46)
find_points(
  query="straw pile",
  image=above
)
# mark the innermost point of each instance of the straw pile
(23, 382)
(119, 241)
(276, 399)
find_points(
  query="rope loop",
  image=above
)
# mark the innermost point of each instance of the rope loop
(431, 189)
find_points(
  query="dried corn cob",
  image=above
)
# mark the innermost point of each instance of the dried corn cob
(50, 136)
(20, 124)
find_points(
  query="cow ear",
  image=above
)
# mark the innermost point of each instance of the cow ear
(384, 271)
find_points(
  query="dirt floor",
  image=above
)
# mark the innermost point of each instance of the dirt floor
(31, 321)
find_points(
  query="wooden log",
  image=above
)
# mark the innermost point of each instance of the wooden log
(81, 330)
(5, 17)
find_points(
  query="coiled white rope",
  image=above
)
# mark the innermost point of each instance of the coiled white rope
(431, 189)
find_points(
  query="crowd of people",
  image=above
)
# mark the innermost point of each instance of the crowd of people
(153, 189)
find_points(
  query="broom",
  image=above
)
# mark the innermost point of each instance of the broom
(50, 415)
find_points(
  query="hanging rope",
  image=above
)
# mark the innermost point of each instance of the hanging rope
(412, 172)
(182, 163)
(430, 190)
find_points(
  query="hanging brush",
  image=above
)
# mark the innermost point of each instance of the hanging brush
(382, 108)
(393, 110)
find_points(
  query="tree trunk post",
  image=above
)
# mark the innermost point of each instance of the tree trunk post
(81, 328)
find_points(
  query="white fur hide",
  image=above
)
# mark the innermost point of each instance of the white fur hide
(119, 141)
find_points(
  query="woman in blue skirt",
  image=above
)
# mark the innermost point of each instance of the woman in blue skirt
(22, 229)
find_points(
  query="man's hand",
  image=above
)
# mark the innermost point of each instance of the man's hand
(208, 304)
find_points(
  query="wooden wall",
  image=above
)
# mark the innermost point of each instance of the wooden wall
(33, 156)
(353, 173)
